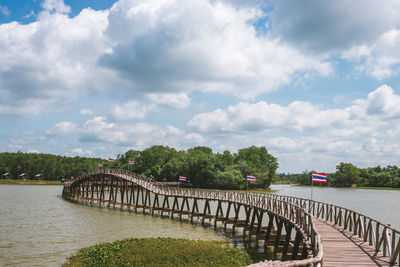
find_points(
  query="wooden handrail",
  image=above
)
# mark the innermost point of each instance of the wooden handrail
(382, 237)
(296, 214)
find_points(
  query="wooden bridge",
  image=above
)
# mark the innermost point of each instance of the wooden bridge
(290, 231)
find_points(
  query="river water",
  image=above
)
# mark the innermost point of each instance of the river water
(381, 205)
(39, 228)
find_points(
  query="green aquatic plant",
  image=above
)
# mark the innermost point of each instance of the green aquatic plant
(160, 252)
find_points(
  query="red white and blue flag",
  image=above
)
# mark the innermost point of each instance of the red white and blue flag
(131, 162)
(182, 178)
(100, 165)
(110, 160)
(251, 178)
(319, 177)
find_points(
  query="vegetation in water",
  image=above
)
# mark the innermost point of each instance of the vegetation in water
(160, 252)
(348, 175)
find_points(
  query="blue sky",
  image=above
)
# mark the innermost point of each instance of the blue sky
(317, 83)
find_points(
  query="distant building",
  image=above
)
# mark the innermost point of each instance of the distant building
(23, 176)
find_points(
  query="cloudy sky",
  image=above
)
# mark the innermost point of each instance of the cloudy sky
(316, 82)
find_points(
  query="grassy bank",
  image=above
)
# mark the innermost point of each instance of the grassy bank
(40, 182)
(376, 188)
(160, 252)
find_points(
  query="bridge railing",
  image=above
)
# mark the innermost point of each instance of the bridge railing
(296, 214)
(382, 237)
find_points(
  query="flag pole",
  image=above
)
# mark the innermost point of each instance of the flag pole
(312, 186)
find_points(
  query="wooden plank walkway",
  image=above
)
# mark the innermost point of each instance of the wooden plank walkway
(342, 248)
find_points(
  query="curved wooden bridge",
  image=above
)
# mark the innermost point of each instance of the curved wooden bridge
(287, 229)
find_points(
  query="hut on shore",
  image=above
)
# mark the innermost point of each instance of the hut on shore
(23, 176)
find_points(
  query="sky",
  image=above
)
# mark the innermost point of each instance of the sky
(315, 82)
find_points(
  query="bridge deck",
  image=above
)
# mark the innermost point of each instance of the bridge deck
(344, 249)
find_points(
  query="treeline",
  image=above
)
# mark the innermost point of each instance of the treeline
(50, 167)
(202, 167)
(348, 175)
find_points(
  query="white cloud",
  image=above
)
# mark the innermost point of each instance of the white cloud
(171, 100)
(56, 6)
(333, 26)
(62, 129)
(5, 11)
(85, 111)
(384, 102)
(261, 116)
(363, 116)
(139, 135)
(81, 152)
(380, 58)
(51, 61)
(305, 136)
(131, 110)
(201, 45)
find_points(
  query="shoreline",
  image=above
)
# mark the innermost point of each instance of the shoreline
(30, 182)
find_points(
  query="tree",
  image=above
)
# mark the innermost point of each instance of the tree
(257, 161)
(346, 174)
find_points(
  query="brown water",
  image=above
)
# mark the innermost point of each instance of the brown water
(39, 228)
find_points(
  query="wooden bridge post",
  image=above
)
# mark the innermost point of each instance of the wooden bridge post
(280, 210)
(195, 210)
(165, 201)
(269, 229)
(227, 214)
(184, 201)
(288, 229)
(219, 210)
(235, 220)
(246, 224)
(206, 208)
(278, 237)
(154, 204)
(296, 246)
(111, 192)
(175, 203)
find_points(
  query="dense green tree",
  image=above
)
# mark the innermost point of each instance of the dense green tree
(257, 161)
(346, 175)
(51, 167)
(200, 165)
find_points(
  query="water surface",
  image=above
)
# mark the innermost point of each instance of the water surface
(381, 205)
(39, 228)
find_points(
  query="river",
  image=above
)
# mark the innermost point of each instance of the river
(381, 205)
(39, 228)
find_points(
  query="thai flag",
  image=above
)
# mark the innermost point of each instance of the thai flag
(251, 178)
(319, 177)
(182, 178)
(131, 162)
(100, 165)
(110, 160)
